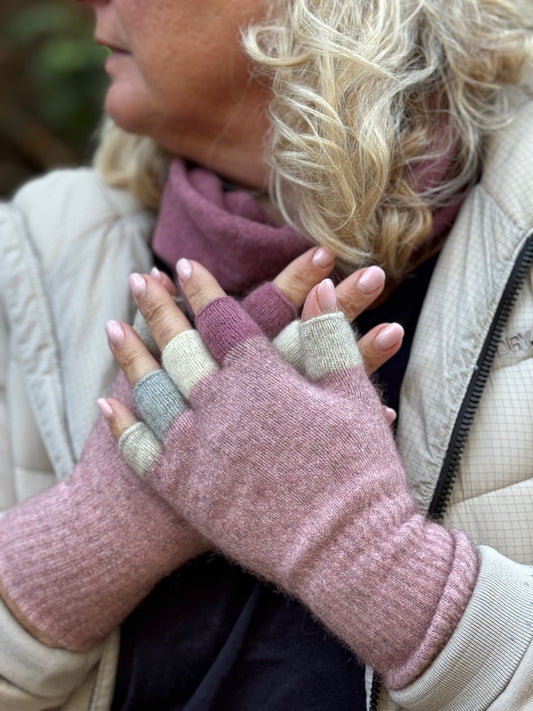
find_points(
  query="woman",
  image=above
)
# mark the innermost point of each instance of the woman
(379, 117)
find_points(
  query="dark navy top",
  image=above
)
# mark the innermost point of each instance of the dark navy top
(213, 638)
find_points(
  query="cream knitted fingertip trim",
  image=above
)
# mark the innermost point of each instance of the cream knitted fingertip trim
(140, 448)
(188, 361)
(329, 345)
(289, 345)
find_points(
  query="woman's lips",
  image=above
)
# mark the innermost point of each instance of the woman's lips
(116, 51)
(111, 46)
(115, 56)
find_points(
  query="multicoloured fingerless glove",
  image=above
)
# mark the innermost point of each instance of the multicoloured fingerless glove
(78, 558)
(266, 305)
(299, 480)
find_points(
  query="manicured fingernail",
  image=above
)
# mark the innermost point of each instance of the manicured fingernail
(371, 279)
(156, 273)
(326, 297)
(115, 333)
(390, 415)
(323, 257)
(137, 285)
(184, 269)
(389, 336)
(105, 408)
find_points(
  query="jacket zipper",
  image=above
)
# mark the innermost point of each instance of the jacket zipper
(477, 384)
(466, 413)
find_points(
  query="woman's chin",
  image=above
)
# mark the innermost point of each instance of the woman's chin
(128, 109)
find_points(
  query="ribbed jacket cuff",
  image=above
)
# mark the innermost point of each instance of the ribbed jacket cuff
(36, 668)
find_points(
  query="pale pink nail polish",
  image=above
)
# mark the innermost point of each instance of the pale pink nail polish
(323, 257)
(371, 279)
(115, 333)
(105, 408)
(184, 269)
(137, 285)
(156, 273)
(389, 336)
(390, 415)
(326, 297)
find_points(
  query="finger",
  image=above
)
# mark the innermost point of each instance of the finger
(129, 351)
(139, 323)
(359, 290)
(269, 308)
(118, 417)
(329, 346)
(137, 443)
(140, 448)
(304, 272)
(198, 285)
(165, 280)
(380, 344)
(322, 299)
(221, 322)
(158, 308)
(158, 401)
(377, 346)
(390, 414)
(328, 342)
(289, 346)
(187, 360)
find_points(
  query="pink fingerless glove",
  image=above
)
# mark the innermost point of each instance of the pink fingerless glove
(300, 481)
(77, 559)
(269, 308)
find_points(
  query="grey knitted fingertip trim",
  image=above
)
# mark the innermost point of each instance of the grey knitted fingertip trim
(140, 448)
(329, 345)
(159, 401)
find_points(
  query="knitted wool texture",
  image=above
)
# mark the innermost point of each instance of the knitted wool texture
(78, 558)
(225, 230)
(299, 480)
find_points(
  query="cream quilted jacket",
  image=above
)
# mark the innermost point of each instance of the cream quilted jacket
(466, 412)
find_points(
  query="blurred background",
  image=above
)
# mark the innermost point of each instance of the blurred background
(51, 88)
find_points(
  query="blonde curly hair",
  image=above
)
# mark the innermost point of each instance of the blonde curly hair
(367, 93)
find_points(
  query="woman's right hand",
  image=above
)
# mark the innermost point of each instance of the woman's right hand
(298, 480)
(353, 296)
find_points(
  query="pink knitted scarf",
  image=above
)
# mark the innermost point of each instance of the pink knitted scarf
(229, 233)
(225, 230)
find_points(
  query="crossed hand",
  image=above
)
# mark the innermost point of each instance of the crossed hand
(289, 468)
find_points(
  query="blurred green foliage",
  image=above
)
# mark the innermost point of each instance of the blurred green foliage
(63, 79)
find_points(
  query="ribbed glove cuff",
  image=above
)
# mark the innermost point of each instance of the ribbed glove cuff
(78, 558)
(394, 600)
